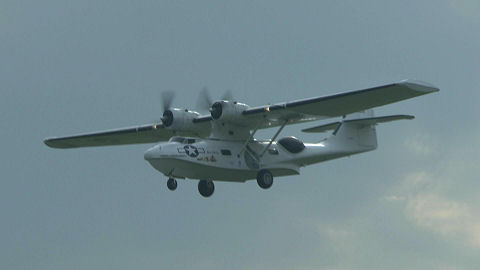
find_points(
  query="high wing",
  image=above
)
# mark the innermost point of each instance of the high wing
(132, 135)
(319, 108)
(267, 116)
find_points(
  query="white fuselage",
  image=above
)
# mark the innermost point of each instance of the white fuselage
(220, 160)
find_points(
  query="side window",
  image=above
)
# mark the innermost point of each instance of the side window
(190, 141)
(226, 152)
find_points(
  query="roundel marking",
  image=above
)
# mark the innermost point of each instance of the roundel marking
(191, 150)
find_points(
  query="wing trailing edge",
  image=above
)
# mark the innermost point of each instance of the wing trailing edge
(367, 121)
(319, 108)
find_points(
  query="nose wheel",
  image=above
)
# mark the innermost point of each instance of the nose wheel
(172, 184)
(206, 188)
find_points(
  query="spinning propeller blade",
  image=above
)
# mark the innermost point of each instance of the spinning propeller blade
(167, 99)
(227, 96)
(204, 100)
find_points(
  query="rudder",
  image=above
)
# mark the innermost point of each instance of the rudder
(355, 133)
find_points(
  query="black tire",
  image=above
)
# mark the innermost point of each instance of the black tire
(206, 188)
(172, 184)
(264, 179)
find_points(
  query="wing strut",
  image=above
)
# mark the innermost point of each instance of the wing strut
(249, 138)
(273, 139)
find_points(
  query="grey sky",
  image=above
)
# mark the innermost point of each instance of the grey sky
(68, 67)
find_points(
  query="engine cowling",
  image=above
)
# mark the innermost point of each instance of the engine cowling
(230, 111)
(181, 120)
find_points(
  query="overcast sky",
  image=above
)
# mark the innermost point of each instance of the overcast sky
(76, 66)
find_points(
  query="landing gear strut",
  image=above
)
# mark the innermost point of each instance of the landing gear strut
(172, 184)
(206, 188)
(264, 179)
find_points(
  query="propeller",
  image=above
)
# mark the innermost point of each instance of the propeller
(205, 102)
(227, 95)
(167, 99)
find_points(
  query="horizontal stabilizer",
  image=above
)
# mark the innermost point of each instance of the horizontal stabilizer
(322, 128)
(360, 121)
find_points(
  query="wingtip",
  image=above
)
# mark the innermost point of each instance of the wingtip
(50, 142)
(420, 86)
(47, 142)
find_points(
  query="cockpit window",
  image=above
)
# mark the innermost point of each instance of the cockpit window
(182, 140)
(177, 139)
(292, 144)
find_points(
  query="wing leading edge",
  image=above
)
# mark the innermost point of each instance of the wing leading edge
(132, 135)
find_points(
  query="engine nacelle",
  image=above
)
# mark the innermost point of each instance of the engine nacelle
(181, 120)
(228, 111)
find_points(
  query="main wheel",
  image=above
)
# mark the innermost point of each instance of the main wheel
(172, 183)
(206, 188)
(264, 179)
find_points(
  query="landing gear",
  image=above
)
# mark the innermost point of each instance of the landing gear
(206, 188)
(172, 184)
(264, 179)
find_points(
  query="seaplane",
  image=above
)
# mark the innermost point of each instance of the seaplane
(221, 145)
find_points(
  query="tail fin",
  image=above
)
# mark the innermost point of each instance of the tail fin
(357, 129)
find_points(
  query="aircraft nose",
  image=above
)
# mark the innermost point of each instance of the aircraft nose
(150, 153)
